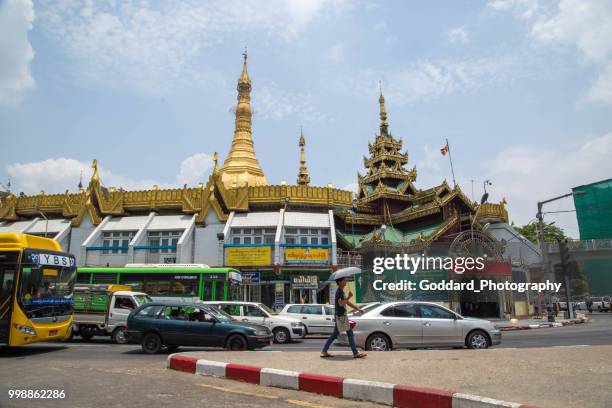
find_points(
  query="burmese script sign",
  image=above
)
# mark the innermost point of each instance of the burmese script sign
(306, 255)
(249, 256)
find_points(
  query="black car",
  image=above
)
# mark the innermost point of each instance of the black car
(174, 324)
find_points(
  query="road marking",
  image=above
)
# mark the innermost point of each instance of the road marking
(235, 391)
(305, 404)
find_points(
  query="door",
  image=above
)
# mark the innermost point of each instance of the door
(8, 264)
(312, 317)
(120, 308)
(200, 329)
(439, 326)
(328, 324)
(403, 324)
(253, 314)
(174, 325)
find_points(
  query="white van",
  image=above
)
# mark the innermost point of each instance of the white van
(283, 328)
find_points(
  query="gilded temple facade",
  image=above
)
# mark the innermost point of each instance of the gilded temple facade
(285, 239)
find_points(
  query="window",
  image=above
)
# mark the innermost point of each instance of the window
(124, 302)
(232, 310)
(176, 313)
(163, 239)
(294, 309)
(313, 310)
(253, 311)
(149, 312)
(307, 236)
(256, 236)
(406, 311)
(434, 312)
(329, 310)
(117, 242)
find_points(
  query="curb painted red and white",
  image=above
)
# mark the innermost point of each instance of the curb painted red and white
(402, 396)
(539, 325)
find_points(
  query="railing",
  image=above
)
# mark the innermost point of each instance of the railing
(348, 258)
(582, 245)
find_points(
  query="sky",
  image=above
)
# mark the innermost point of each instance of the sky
(522, 90)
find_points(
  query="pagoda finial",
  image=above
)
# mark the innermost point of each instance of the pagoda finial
(241, 166)
(81, 181)
(303, 177)
(384, 127)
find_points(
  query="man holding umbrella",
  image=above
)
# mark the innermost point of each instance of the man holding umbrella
(340, 303)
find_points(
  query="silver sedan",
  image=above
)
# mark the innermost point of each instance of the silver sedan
(383, 326)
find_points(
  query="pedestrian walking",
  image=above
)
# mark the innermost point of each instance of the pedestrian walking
(342, 323)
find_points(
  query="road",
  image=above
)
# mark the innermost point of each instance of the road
(99, 373)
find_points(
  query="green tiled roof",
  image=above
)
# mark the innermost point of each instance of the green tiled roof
(391, 234)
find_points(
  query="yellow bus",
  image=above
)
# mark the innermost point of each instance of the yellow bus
(36, 283)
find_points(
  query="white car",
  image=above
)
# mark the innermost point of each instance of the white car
(600, 303)
(318, 319)
(283, 328)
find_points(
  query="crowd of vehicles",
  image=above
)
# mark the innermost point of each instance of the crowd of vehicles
(171, 306)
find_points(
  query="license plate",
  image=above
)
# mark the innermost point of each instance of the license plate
(52, 332)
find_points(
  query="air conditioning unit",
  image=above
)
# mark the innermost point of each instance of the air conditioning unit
(168, 259)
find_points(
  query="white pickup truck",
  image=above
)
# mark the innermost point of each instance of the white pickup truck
(102, 310)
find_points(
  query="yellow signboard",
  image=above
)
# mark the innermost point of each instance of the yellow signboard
(306, 255)
(249, 256)
(50, 272)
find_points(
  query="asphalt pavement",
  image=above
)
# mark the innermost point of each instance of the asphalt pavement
(99, 373)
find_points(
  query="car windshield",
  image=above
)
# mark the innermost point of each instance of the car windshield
(267, 309)
(220, 314)
(142, 299)
(365, 309)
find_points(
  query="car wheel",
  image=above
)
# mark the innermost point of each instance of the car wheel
(281, 335)
(86, 333)
(478, 340)
(120, 335)
(151, 343)
(236, 342)
(378, 342)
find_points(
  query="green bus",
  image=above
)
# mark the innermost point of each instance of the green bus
(168, 282)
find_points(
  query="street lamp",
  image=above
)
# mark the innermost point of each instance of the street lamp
(540, 218)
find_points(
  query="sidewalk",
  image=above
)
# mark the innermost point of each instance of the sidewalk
(544, 377)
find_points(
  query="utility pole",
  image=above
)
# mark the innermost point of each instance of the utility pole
(541, 240)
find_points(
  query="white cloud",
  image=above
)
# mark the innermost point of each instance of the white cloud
(55, 175)
(16, 53)
(353, 187)
(581, 26)
(271, 102)
(528, 174)
(154, 48)
(336, 53)
(457, 35)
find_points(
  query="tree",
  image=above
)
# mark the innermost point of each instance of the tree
(552, 233)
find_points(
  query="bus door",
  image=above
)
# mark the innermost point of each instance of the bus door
(8, 266)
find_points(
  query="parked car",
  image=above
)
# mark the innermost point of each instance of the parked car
(283, 328)
(173, 324)
(384, 326)
(317, 319)
(600, 303)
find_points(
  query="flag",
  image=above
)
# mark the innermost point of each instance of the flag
(444, 150)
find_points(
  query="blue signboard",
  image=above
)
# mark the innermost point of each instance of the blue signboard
(251, 277)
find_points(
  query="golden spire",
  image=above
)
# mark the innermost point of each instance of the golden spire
(95, 177)
(241, 167)
(303, 177)
(384, 127)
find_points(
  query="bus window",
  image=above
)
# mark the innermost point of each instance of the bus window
(219, 290)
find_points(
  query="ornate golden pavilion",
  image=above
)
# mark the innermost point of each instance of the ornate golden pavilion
(386, 196)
